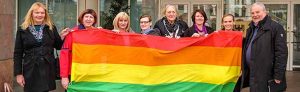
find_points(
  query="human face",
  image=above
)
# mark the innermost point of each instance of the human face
(228, 22)
(171, 14)
(145, 23)
(257, 13)
(38, 16)
(199, 18)
(88, 20)
(123, 23)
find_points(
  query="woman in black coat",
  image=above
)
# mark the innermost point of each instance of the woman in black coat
(170, 26)
(198, 29)
(36, 39)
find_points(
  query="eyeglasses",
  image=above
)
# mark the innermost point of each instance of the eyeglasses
(144, 22)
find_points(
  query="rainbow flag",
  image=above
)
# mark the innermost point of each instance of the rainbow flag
(103, 61)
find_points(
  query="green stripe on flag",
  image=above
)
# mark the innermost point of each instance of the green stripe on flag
(170, 87)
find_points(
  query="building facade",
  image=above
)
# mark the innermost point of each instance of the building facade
(64, 14)
(286, 12)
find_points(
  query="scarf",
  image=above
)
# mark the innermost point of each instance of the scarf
(37, 33)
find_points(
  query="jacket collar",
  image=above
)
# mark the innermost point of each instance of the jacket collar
(264, 24)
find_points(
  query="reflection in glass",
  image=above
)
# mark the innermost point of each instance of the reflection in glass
(211, 13)
(278, 12)
(183, 12)
(296, 31)
(239, 8)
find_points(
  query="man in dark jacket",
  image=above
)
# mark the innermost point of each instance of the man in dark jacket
(264, 53)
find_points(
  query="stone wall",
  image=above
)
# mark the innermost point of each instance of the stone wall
(7, 29)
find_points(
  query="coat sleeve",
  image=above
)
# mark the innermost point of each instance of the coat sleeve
(188, 32)
(281, 53)
(58, 41)
(154, 32)
(156, 25)
(18, 53)
(66, 57)
(184, 26)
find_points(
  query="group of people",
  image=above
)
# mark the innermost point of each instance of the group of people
(263, 60)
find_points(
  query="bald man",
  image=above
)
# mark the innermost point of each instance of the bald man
(264, 53)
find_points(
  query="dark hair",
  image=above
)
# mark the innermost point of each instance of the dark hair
(87, 11)
(146, 16)
(226, 16)
(202, 12)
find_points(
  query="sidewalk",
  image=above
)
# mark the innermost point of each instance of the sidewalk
(293, 82)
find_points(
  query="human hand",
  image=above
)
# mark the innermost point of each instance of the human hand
(99, 27)
(20, 80)
(65, 82)
(277, 81)
(168, 36)
(117, 31)
(64, 32)
(195, 35)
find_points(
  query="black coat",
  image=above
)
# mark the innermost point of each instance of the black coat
(268, 56)
(34, 60)
(190, 31)
(163, 29)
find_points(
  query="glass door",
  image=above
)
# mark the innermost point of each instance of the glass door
(280, 12)
(295, 36)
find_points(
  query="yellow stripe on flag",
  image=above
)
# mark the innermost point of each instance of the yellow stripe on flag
(150, 75)
(96, 54)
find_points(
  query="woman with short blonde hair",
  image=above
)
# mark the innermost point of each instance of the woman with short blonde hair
(122, 22)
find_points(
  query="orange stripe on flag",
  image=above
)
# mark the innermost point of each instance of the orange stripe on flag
(89, 54)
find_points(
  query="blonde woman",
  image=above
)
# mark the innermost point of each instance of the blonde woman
(122, 23)
(36, 38)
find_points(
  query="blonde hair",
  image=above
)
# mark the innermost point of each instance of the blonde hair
(169, 6)
(28, 20)
(118, 16)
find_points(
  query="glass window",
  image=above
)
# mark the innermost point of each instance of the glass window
(183, 12)
(63, 13)
(278, 12)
